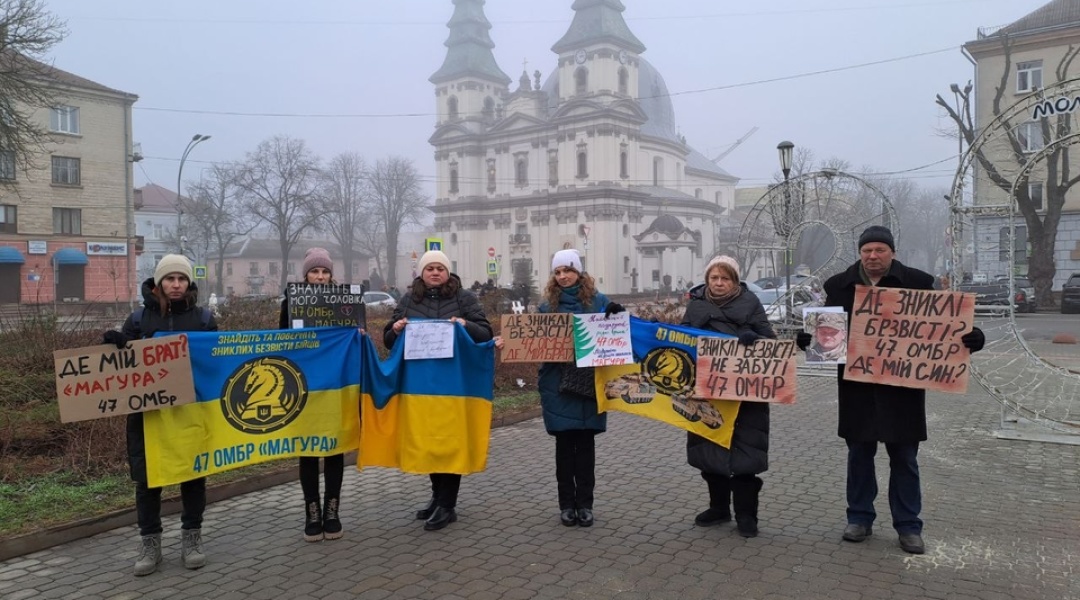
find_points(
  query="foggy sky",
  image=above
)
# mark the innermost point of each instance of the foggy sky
(348, 58)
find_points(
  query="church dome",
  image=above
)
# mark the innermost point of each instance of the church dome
(666, 224)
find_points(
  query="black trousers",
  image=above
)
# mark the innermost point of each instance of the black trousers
(148, 505)
(444, 489)
(334, 470)
(740, 490)
(575, 467)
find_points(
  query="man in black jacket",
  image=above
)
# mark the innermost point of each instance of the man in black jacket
(872, 413)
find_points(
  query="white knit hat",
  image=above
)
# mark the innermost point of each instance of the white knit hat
(171, 263)
(433, 256)
(725, 260)
(566, 258)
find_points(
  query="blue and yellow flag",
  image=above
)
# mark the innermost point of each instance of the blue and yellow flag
(260, 395)
(660, 383)
(430, 415)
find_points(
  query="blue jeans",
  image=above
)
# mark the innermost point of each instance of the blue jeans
(905, 493)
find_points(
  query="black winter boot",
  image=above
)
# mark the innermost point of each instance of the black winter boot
(719, 510)
(331, 524)
(313, 527)
(744, 494)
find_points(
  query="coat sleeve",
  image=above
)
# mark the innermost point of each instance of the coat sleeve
(476, 322)
(211, 325)
(389, 335)
(283, 316)
(759, 321)
(130, 330)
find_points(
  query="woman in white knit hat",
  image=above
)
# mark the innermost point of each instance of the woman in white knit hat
(437, 294)
(170, 300)
(724, 304)
(571, 418)
(320, 521)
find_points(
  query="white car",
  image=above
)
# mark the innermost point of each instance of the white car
(379, 299)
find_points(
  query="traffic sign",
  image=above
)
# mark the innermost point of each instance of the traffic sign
(491, 251)
(200, 272)
(432, 244)
(492, 267)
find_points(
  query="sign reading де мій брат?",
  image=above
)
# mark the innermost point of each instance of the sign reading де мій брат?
(536, 338)
(325, 305)
(760, 372)
(910, 338)
(105, 381)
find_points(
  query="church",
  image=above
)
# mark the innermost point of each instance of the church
(588, 158)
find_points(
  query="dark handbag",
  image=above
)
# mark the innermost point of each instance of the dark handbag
(579, 381)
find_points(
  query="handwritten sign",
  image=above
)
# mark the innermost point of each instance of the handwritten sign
(534, 338)
(910, 338)
(104, 381)
(429, 339)
(761, 372)
(325, 305)
(600, 341)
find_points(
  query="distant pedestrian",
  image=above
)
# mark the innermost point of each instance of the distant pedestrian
(170, 304)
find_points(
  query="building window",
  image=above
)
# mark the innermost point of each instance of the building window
(1019, 245)
(453, 181)
(159, 231)
(626, 265)
(65, 171)
(228, 270)
(553, 168)
(1035, 193)
(624, 81)
(698, 193)
(9, 218)
(452, 107)
(7, 165)
(657, 168)
(582, 164)
(491, 175)
(290, 268)
(625, 230)
(1028, 76)
(581, 81)
(719, 197)
(624, 165)
(1030, 136)
(229, 290)
(521, 172)
(273, 269)
(253, 268)
(64, 119)
(67, 220)
(489, 108)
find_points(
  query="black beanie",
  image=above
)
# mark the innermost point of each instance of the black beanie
(877, 233)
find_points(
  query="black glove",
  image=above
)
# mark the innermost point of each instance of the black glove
(613, 308)
(803, 339)
(974, 340)
(747, 338)
(117, 338)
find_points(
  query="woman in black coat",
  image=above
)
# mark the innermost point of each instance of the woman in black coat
(725, 305)
(170, 298)
(437, 294)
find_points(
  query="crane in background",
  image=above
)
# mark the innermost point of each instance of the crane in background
(737, 143)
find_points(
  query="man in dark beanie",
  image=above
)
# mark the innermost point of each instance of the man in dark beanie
(871, 413)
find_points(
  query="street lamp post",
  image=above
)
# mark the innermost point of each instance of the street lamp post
(195, 140)
(786, 150)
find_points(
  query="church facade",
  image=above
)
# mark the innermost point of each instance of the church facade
(589, 158)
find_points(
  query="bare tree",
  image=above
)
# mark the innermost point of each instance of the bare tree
(278, 184)
(1042, 228)
(344, 203)
(398, 201)
(27, 33)
(215, 216)
(371, 238)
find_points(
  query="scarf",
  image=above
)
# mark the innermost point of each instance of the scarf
(723, 299)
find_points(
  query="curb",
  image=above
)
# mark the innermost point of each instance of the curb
(76, 530)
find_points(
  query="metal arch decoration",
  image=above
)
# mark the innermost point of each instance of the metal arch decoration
(1008, 368)
(826, 203)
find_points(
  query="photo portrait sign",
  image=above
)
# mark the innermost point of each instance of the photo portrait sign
(827, 326)
(761, 372)
(325, 305)
(601, 341)
(910, 338)
(105, 381)
(536, 338)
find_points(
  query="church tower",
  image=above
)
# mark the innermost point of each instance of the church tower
(598, 54)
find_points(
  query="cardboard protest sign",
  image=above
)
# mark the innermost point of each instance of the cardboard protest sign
(910, 338)
(827, 327)
(601, 341)
(105, 381)
(540, 337)
(761, 372)
(325, 305)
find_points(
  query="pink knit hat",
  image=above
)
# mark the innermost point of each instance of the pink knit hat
(723, 260)
(317, 257)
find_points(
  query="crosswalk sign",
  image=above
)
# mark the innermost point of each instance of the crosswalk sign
(200, 272)
(432, 244)
(492, 267)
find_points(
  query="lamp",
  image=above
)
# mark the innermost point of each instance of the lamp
(786, 150)
(195, 140)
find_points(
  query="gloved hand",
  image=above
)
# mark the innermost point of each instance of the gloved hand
(803, 339)
(117, 338)
(747, 338)
(613, 308)
(974, 340)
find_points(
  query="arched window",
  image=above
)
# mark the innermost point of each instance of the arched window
(491, 174)
(698, 193)
(582, 164)
(521, 172)
(624, 81)
(624, 165)
(453, 181)
(719, 197)
(489, 108)
(657, 168)
(452, 107)
(581, 81)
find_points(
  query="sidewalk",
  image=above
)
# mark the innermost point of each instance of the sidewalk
(1002, 521)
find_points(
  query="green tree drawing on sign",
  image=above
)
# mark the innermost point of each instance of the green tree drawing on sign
(583, 342)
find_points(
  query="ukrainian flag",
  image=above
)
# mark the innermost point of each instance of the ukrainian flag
(660, 383)
(429, 415)
(260, 396)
